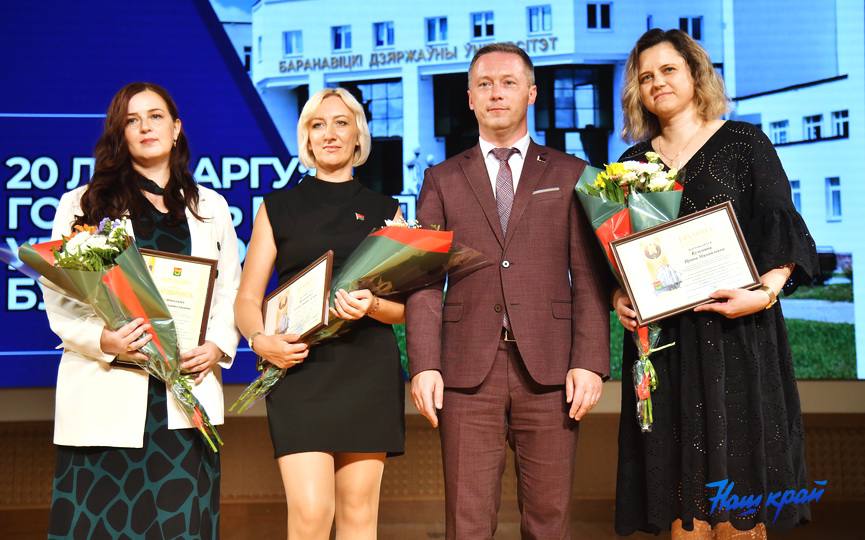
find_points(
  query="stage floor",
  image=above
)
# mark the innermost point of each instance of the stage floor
(266, 521)
(412, 502)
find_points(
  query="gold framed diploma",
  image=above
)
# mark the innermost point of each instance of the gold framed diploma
(300, 305)
(186, 285)
(675, 266)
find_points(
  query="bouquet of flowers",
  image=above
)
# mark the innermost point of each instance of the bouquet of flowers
(620, 200)
(395, 259)
(629, 197)
(101, 267)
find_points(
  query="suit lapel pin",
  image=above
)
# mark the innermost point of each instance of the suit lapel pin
(542, 159)
(359, 217)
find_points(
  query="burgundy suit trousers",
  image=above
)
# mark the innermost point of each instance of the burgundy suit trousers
(475, 425)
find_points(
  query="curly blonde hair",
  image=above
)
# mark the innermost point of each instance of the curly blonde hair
(364, 141)
(709, 94)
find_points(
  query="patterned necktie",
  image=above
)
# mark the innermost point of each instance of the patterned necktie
(504, 185)
(504, 198)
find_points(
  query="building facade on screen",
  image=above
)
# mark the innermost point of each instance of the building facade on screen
(406, 61)
(808, 96)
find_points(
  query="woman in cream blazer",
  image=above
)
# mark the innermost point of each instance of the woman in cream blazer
(101, 405)
(129, 463)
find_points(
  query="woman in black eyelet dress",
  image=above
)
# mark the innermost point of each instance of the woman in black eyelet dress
(347, 396)
(726, 406)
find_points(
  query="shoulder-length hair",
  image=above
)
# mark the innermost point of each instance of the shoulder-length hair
(361, 152)
(113, 191)
(709, 94)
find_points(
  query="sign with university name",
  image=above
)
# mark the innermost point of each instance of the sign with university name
(429, 54)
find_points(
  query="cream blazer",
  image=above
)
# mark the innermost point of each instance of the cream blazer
(98, 404)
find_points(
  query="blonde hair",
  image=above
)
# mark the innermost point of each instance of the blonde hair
(361, 151)
(709, 94)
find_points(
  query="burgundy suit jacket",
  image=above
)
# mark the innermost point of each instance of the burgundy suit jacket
(547, 273)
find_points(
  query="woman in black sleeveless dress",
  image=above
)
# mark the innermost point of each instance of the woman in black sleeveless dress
(129, 464)
(339, 409)
(727, 406)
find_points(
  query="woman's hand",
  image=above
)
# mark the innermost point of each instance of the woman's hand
(733, 303)
(200, 360)
(624, 310)
(126, 340)
(354, 305)
(282, 351)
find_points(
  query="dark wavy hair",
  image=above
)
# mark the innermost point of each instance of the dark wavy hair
(113, 191)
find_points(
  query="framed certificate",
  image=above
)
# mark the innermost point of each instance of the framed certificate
(300, 305)
(675, 266)
(186, 285)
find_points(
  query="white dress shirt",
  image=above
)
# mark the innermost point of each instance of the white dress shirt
(515, 161)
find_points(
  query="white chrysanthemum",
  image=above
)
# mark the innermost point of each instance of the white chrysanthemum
(98, 241)
(401, 222)
(642, 168)
(73, 245)
(651, 168)
(660, 182)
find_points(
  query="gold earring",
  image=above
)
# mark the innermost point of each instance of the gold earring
(175, 143)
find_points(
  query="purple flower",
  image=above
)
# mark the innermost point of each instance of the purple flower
(102, 224)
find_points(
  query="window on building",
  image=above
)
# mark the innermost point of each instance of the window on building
(833, 199)
(840, 124)
(811, 127)
(796, 193)
(482, 25)
(292, 43)
(576, 102)
(778, 131)
(574, 145)
(247, 57)
(693, 26)
(383, 100)
(258, 49)
(598, 15)
(436, 29)
(382, 34)
(540, 19)
(340, 37)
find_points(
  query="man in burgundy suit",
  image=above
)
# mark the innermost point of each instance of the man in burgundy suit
(518, 350)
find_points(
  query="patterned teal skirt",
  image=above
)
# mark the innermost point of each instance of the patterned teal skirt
(167, 489)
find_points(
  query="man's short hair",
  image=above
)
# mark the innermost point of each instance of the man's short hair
(505, 47)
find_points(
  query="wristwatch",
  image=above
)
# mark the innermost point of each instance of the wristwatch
(773, 296)
(252, 338)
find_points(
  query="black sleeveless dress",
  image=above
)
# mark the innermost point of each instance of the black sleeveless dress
(348, 395)
(169, 488)
(727, 406)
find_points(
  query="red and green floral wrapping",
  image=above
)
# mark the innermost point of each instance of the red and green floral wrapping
(119, 294)
(612, 220)
(390, 260)
(615, 219)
